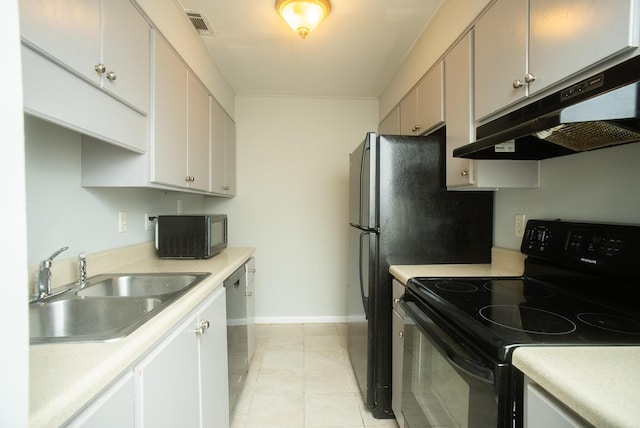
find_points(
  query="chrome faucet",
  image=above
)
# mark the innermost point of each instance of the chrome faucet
(44, 274)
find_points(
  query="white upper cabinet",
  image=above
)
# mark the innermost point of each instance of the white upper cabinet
(462, 174)
(180, 141)
(223, 152)
(67, 31)
(422, 109)
(390, 125)
(93, 55)
(106, 43)
(125, 53)
(501, 56)
(524, 46)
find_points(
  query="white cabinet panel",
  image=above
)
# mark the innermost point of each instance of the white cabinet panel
(223, 152)
(501, 56)
(167, 381)
(422, 109)
(198, 135)
(571, 35)
(113, 408)
(214, 393)
(542, 410)
(391, 124)
(126, 53)
(169, 116)
(67, 31)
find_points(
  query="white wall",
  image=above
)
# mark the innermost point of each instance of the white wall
(292, 202)
(62, 213)
(14, 358)
(600, 186)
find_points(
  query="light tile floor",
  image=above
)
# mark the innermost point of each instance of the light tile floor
(300, 377)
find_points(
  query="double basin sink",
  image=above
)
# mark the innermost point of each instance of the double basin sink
(109, 307)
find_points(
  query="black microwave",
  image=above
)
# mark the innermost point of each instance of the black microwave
(191, 236)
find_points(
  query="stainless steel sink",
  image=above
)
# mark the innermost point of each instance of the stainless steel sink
(110, 307)
(88, 319)
(138, 285)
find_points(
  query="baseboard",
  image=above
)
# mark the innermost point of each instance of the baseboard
(301, 320)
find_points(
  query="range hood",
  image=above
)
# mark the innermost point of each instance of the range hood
(601, 111)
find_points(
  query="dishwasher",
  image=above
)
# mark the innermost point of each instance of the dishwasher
(237, 330)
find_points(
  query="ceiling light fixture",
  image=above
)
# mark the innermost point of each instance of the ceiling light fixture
(303, 16)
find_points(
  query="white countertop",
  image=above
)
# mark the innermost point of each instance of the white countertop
(64, 377)
(601, 384)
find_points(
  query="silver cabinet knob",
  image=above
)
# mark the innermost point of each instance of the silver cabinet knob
(464, 173)
(204, 326)
(529, 77)
(249, 294)
(226, 187)
(111, 76)
(415, 128)
(518, 84)
(189, 179)
(401, 333)
(100, 68)
(396, 300)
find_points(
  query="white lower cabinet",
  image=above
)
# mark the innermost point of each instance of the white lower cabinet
(182, 382)
(543, 410)
(113, 408)
(250, 267)
(397, 353)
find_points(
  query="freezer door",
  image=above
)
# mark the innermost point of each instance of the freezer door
(362, 184)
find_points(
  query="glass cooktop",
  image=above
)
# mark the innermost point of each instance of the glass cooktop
(498, 314)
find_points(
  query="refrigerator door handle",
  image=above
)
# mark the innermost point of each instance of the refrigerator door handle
(365, 298)
(365, 149)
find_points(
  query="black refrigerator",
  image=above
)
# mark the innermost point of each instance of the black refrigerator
(401, 213)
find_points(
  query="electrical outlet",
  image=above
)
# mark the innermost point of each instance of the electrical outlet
(122, 221)
(148, 223)
(520, 224)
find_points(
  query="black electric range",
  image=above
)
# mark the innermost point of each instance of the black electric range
(579, 288)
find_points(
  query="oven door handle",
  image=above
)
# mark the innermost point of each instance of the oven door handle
(472, 368)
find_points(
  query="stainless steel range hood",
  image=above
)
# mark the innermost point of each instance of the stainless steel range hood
(598, 112)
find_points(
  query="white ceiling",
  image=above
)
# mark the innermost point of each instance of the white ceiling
(354, 53)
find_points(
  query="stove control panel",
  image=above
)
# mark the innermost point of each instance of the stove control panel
(605, 248)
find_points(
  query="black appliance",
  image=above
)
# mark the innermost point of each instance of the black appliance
(600, 111)
(401, 213)
(191, 236)
(577, 289)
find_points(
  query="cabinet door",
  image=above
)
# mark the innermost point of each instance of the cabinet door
(198, 129)
(218, 173)
(391, 124)
(430, 100)
(169, 140)
(409, 113)
(125, 53)
(230, 155)
(396, 366)
(223, 152)
(459, 110)
(112, 408)
(167, 382)
(214, 392)
(251, 309)
(569, 36)
(501, 56)
(67, 31)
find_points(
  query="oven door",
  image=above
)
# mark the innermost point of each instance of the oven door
(445, 383)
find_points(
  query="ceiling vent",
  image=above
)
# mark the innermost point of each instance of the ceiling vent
(200, 22)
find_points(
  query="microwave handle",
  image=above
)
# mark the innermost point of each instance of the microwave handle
(470, 367)
(156, 236)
